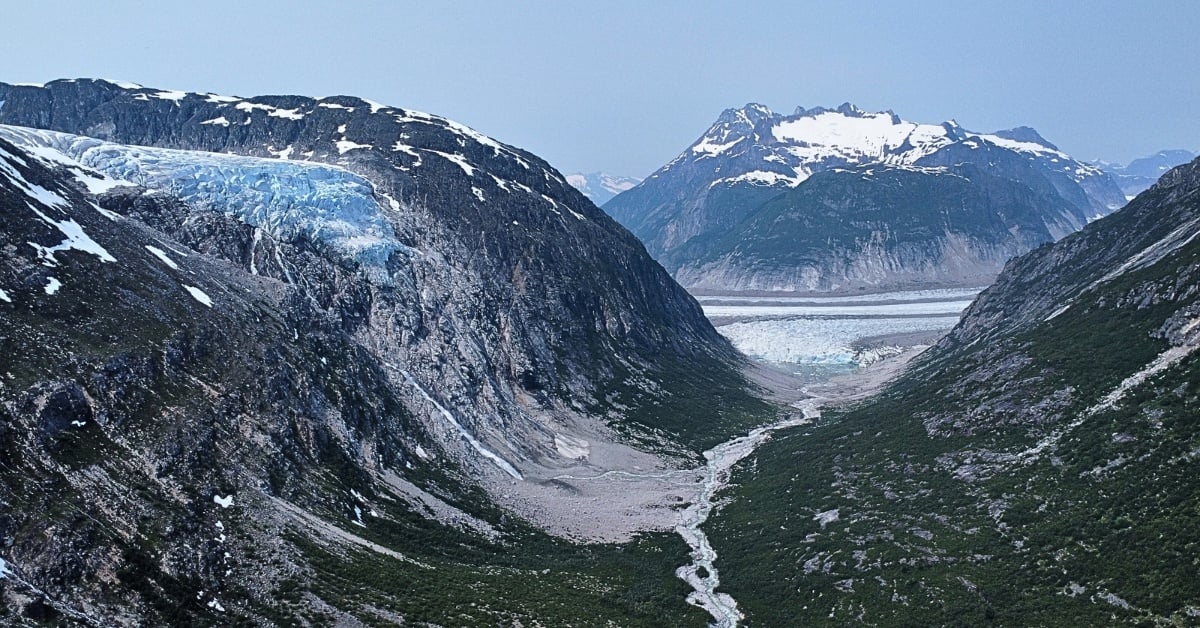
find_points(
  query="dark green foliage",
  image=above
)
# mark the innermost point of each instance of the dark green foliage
(537, 579)
(681, 403)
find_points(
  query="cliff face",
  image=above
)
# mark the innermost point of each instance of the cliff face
(239, 330)
(846, 200)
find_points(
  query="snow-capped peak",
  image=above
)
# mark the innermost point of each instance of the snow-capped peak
(752, 144)
(601, 186)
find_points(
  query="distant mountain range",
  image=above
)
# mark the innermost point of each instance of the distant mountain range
(844, 200)
(1142, 173)
(600, 187)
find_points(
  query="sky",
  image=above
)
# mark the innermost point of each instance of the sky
(624, 86)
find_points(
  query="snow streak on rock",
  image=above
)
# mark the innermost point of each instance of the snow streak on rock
(475, 444)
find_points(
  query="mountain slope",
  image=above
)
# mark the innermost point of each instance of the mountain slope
(1035, 467)
(336, 389)
(707, 214)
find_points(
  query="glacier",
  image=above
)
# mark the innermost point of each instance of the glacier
(840, 330)
(289, 200)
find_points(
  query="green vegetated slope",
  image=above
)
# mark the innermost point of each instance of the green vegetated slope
(992, 484)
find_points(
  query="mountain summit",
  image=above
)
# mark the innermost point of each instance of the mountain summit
(844, 199)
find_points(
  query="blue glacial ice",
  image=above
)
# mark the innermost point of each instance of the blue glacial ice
(287, 199)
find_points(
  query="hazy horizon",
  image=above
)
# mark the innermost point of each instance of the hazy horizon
(622, 87)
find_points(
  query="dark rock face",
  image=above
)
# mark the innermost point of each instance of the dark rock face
(770, 202)
(194, 390)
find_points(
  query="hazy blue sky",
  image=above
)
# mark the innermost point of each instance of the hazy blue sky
(625, 86)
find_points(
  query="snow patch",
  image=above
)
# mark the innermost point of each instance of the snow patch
(708, 148)
(52, 285)
(220, 121)
(162, 255)
(287, 114)
(764, 178)
(76, 239)
(4, 297)
(571, 447)
(171, 95)
(124, 84)
(1056, 313)
(344, 146)
(833, 135)
(223, 502)
(466, 132)
(457, 160)
(401, 147)
(198, 295)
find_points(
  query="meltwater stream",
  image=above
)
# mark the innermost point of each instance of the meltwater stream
(721, 459)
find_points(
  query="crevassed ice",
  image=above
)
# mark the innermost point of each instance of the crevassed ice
(287, 199)
(821, 340)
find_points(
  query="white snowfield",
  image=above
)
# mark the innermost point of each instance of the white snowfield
(796, 147)
(75, 238)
